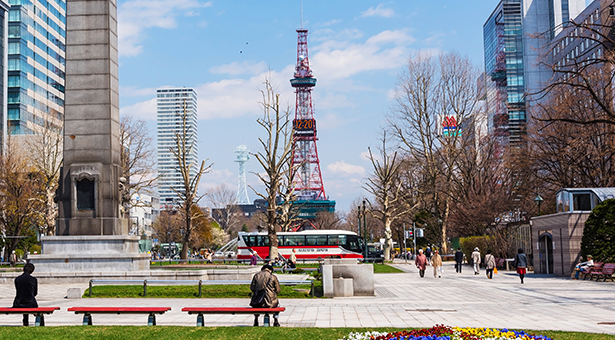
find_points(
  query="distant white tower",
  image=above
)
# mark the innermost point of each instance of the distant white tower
(243, 155)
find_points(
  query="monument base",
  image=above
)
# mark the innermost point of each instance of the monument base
(119, 253)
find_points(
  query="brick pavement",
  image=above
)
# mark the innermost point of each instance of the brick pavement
(402, 300)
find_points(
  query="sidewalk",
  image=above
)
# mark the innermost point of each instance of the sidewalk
(402, 300)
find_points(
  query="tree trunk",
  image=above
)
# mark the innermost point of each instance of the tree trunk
(186, 246)
(387, 239)
(273, 241)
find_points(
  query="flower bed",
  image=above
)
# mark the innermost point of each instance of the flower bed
(441, 332)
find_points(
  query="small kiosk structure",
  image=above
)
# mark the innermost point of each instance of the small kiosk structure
(557, 237)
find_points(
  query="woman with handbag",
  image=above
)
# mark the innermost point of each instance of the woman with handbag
(521, 264)
(489, 264)
(265, 288)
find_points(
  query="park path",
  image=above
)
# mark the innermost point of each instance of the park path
(402, 300)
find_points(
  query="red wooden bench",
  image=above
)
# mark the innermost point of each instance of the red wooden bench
(607, 272)
(39, 312)
(587, 272)
(200, 320)
(88, 311)
(595, 270)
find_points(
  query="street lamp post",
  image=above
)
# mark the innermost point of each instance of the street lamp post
(538, 201)
(360, 214)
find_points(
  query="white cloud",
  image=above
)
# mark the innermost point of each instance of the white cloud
(131, 91)
(379, 11)
(135, 16)
(341, 167)
(342, 59)
(216, 176)
(239, 97)
(236, 68)
(143, 110)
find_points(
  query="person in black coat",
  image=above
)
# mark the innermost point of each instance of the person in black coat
(458, 260)
(26, 287)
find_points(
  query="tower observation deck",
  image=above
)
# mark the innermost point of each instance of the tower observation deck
(308, 187)
(308, 183)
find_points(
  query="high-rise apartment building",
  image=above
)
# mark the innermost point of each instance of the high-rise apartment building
(4, 9)
(172, 103)
(515, 37)
(36, 65)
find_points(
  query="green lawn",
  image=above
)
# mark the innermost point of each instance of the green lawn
(213, 333)
(209, 291)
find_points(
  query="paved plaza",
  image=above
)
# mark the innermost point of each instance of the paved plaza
(402, 300)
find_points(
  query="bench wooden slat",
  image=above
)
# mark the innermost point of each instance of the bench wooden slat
(44, 310)
(131, 310)
(232, 310)
(200, 319)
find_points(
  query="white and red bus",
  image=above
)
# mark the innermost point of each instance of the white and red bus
(310, 244)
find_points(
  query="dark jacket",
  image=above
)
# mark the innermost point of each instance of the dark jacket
(459, 256)
(266, 280)
(521, 261)
(27, 287)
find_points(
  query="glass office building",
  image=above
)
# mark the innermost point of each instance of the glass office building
(36, 65)
(170, 107)
(515, 36)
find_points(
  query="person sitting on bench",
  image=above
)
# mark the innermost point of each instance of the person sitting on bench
(27, 287)
(265, 288)
(583, 266)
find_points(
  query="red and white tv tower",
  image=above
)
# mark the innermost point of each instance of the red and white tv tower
(308, 183)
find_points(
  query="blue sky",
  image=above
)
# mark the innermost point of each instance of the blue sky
(224, 49)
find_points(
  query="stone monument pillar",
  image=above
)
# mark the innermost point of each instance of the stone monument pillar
(88, 194)
(91, 234)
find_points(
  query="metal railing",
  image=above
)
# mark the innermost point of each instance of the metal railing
(193, 282)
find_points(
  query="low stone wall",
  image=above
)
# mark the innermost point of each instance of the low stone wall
(362, 276)
(162, 274)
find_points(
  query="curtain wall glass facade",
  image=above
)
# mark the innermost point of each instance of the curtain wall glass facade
(36, 64)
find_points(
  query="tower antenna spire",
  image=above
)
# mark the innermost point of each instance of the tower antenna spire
(301, 14)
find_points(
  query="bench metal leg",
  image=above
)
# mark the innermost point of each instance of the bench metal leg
(266, 322)
(87, 319)
(40, 320)
(151, 320)
(200, 320)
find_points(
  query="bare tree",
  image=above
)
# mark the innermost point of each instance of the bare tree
(45, 153)
(228, 215)
(275, 158)
(329, 220)
(434, 92)
(188, 194)
(385, 186)
(589, 75)
(137, 157)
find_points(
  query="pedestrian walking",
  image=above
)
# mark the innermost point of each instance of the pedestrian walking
(436, 262)
(489, 264)
(476, 260)
(458, 260)
(428, 254)
(521, 264)
(12, 259)
(421, 263)
(293, 259)
(253, 259)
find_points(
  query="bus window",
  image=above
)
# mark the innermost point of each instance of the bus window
(294, 240)
(353, 244)
(280, 240)
(337, 240)
(263, 241)
(250, 241)
(316, 240)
